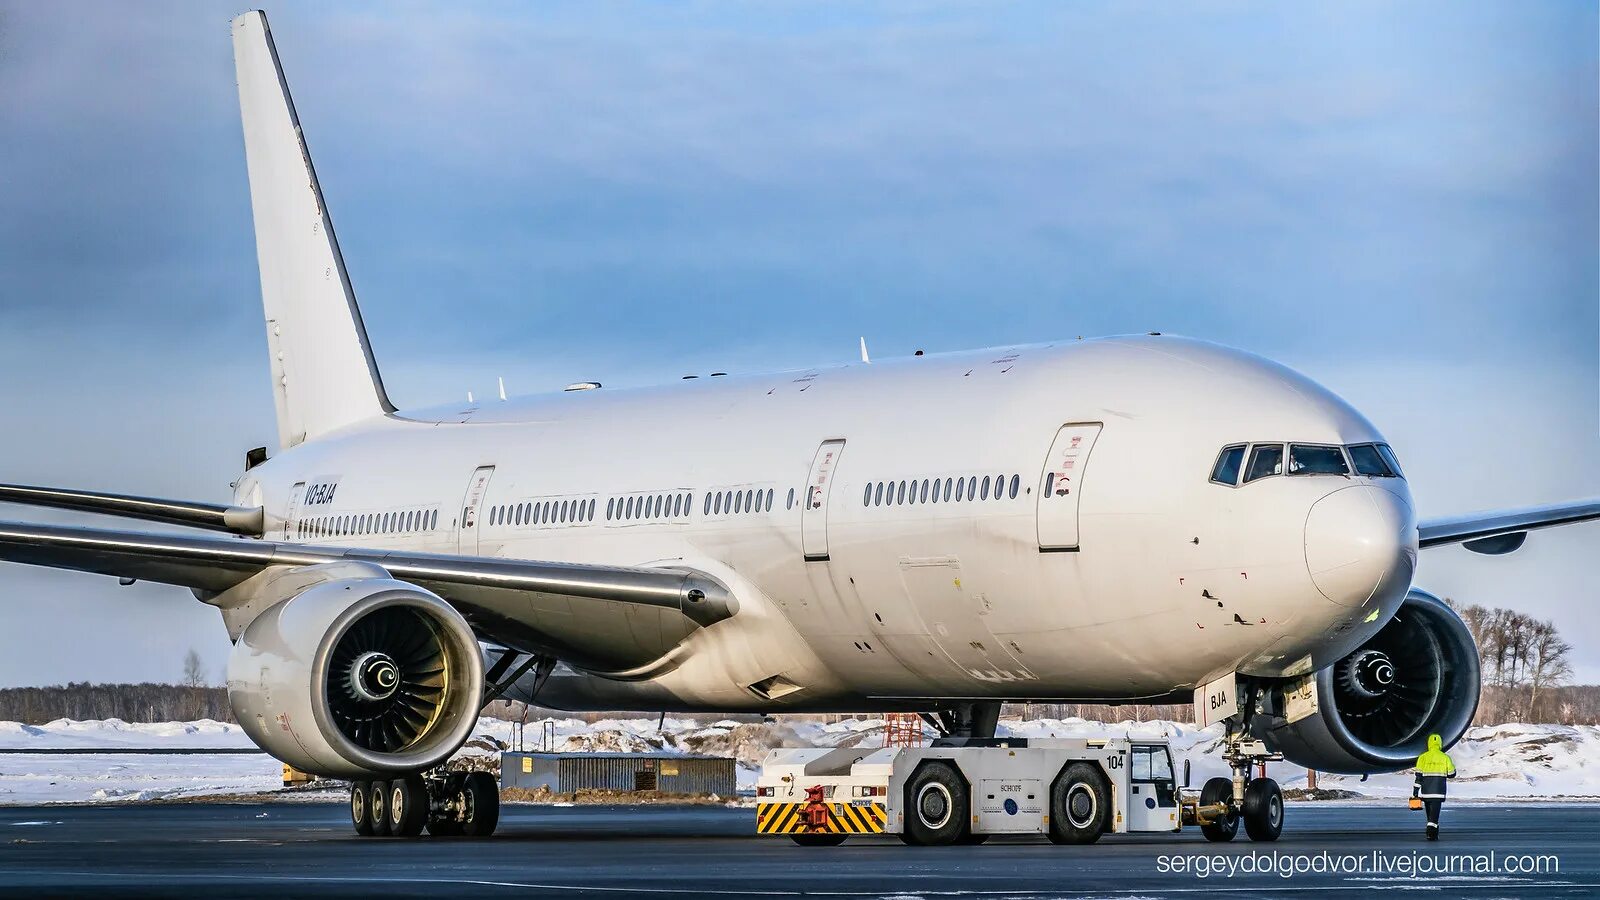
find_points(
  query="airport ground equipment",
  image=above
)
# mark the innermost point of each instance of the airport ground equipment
(1070, 790)
(666, 773)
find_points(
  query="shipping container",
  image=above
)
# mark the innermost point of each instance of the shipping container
(624, 772)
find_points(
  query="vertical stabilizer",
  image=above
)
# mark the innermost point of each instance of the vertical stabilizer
(323, 372)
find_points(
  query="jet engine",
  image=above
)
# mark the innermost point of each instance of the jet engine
(1373, 710)
(356, 676)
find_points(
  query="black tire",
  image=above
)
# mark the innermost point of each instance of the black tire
(408, 806)
(1080, 805)
(378, 808)
(483, 804)
(818, 840)
(936, 807)
(1263, 810)
(1219, 790)
(358, 808)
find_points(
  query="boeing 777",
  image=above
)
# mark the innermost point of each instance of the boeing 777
(1140, 518)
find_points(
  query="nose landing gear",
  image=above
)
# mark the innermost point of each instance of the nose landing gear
(446, 804)
(1253, 799)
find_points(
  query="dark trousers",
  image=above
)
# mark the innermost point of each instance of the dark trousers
(1432, 808)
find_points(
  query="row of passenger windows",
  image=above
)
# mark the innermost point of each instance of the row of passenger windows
(1373, 460)
(749, 500)
(543, 512)
(644, 507)
(933, 490)
(408, 521)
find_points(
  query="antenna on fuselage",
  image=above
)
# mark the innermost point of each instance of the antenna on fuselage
(502, 387)
(864, 357)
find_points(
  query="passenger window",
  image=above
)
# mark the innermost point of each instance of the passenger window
(789, 504)
(717, 507)
(610, 507)
(961, 489)
(769, 499)
(999, 486)
(947, 485)
(924, 490)
(1265, 460)
(1314, 459)
(1229, 461)
(985, 487)
(972, 487)
(1016, 485)
(707, 510)
(900, 497)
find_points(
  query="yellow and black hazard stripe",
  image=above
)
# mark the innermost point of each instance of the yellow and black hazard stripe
(790, 818)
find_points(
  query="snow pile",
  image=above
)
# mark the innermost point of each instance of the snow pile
(1529, 761)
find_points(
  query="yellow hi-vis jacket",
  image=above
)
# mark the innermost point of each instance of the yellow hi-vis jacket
(1433, 767)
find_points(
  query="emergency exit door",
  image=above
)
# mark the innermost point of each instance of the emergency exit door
(472, 510)
(814, 514)
(1061, 485)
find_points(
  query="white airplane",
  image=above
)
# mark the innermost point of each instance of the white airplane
(1146, 518)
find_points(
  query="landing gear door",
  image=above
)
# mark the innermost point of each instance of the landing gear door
(814, 514)
(472, 511)
(1061, 484)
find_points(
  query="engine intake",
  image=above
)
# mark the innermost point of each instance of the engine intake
(357, 675)
(1373, 710)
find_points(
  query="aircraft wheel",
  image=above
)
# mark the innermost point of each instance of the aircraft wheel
(1219, 790)
(936, 806)
(408, 806)
(818, 840)
(1080, 805)
(482, 812)
(358, 808)
(378, 808)
(448, 822)
(1263, 810)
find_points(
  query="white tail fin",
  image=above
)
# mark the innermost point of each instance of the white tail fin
(323, 372)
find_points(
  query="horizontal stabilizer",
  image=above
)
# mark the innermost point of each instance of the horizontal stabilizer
(245, 520)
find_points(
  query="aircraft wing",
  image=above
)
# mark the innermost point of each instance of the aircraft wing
(607, 617)
(1502, 531)
(247, 520)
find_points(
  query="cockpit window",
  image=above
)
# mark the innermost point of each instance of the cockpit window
(1228, 465)
(1265, 459)
(1313, 459)
(1368, 461)
(1389, 457)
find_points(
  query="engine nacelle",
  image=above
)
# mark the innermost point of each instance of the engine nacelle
(1373, 710)
(356, 676)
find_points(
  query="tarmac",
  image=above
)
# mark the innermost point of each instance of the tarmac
(307, 849)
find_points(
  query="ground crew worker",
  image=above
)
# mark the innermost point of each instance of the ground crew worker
(1433, 767)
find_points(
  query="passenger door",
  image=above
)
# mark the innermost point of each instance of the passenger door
(472, 510)
(814, 514)
(292, 511)
(1061, 484)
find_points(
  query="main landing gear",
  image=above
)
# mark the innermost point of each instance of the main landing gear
(445, 803)
(1255, 801)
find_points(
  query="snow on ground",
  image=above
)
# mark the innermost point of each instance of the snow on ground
(1527, 761)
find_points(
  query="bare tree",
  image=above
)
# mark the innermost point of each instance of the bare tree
(194, 669)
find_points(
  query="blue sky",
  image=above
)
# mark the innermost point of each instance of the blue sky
(1398, 199)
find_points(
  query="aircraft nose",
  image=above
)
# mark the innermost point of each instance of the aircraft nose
(1360, 539)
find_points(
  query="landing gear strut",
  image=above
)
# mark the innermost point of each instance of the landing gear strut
(975, 720)
(445, 803)
(1249, 796)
